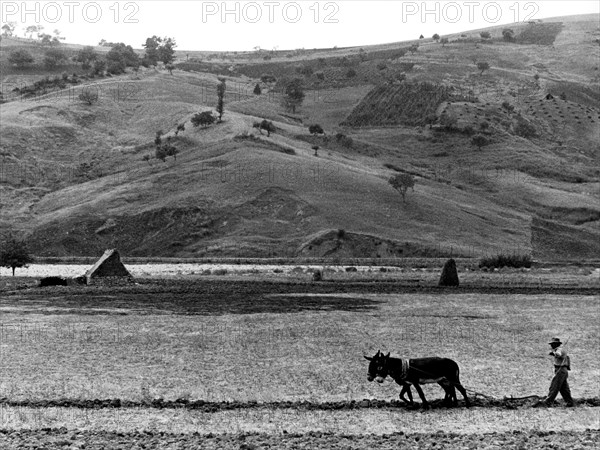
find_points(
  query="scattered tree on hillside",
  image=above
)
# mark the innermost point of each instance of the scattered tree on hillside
(316, 149)
(147, 159)
(480, 141)
(266, 125)
(46, 39)
(316, 129)
(485, 34)
(8, 29)
(180, 127)
(57, 36)
(436, 37)
(14, 254)
(221, 98)
(413, 48)
(86, 56)
(483, 66)
(351, 73)
(421, 37)
(89, 95)
(508, 35)
(20, 58)
(99, 67)
(120, 57)
(54, 57)
(170, 67)
(444, 41)
(257, 90)
(33, 29)
(402, 182)
(203, 119)
(159, 49)
(158, 138)
(293, 94)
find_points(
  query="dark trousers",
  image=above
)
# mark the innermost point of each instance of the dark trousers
(560, 384)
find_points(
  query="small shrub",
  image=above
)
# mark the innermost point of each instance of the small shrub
(503, 260)
(203, 119)
(315, 129)
(317, 275)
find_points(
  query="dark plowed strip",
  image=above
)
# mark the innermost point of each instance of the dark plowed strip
(61, 438)
(204, 406)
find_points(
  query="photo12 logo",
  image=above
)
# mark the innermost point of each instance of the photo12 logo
(269, 12)
(54, 12)
(454, 12)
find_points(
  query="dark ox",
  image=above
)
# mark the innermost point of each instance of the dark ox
(443, 371)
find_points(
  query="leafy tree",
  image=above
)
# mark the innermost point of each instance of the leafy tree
(293, 94)
(88, 96)
(402, 182)
(45, 39)
(8, 29)
(54, 57)
(33, 29)
(20, 58)
(14, 254)
(316, 149)
(151, 56)
(166, 51)
(413, 48)
(351, 73)
(508, 35)
(99, 67)
(170, 67)
(480, 141)
(120, 57)
(436, 37)
(160, 153)
(203, 119)
(220, 98)
(444, 41)
(483, 66)
(86, 56)
(158, 138)
(485, 34)
(159, 49)
(266, 125)
(180, 127)
(421, 37)
(316, 129)
(257, 90)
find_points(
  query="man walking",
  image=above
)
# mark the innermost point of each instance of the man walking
(562, 365)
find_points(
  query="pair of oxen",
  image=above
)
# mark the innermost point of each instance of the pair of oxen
(415, 372)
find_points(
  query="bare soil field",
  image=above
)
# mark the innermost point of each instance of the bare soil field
(226, 362)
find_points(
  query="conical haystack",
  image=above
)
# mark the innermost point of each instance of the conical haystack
(109, 265)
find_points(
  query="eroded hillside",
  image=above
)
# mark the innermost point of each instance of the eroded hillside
(79, 178)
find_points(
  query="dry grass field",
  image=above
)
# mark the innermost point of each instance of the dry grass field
(280, 362)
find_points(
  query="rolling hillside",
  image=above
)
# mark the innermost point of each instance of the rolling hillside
(74, 182)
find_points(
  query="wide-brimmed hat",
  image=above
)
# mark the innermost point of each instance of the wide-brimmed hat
(555, 341)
